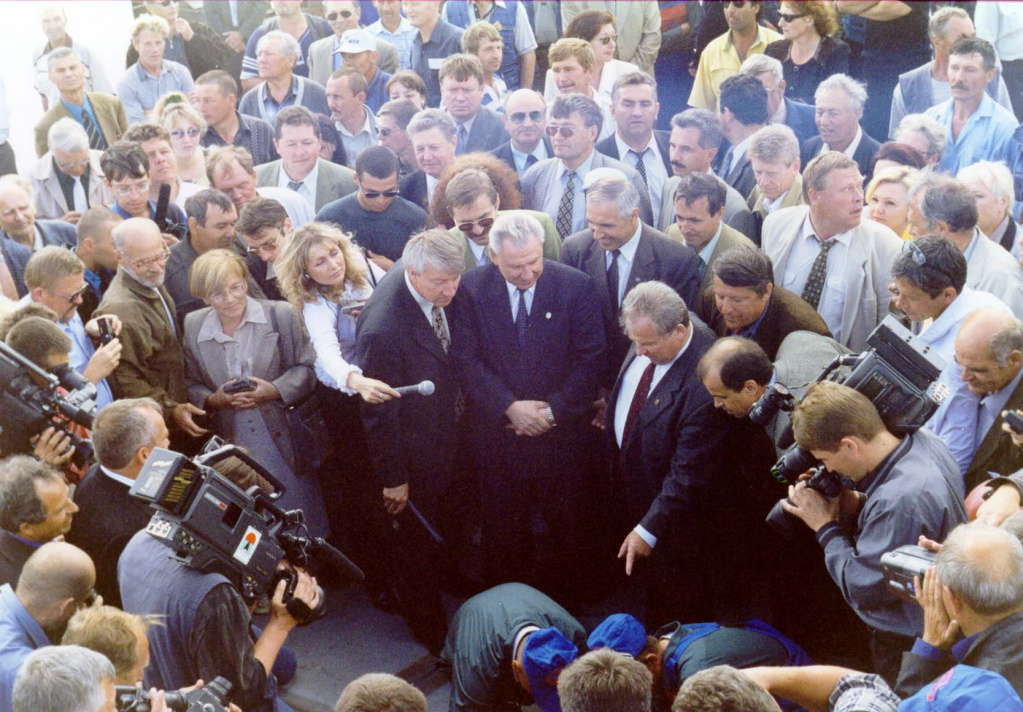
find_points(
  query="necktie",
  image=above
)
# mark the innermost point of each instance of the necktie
(294, 184)
(96, 140)
(818, 272)
(701, 266)
(521, 319)
(638, 401)
(726, 164)
(81, 200)
(564, 222)
(463, 140)
(640, 167)
(531, 161)
(438, 328)
(613, 281)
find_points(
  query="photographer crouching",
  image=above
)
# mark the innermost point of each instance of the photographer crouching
(899, 488)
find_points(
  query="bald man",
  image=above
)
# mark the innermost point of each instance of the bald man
(989, 350)
(56, 580)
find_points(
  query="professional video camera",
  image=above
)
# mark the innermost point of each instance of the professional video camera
(901, 566)
(898, 373)
(28, 408)
(212, 697)
(213, 526)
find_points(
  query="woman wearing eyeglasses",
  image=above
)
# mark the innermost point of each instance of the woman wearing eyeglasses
(809, 54)
(186, 127)
(246, 362)
(598, 28)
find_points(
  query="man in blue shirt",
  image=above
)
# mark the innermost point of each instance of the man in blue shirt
(437, 40)
(290, 19)
(152, 76)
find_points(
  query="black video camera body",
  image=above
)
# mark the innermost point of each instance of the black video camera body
(901, 566)
(212, 697)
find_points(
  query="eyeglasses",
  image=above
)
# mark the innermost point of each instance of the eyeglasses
(74, 296)
(268, 245)
(519, 117)
(71, 165)
(790, 18)
(235, 290)
(162, 256)
(178, 134)
(384, 133)
(483, 223)
(125, 191)
(374, 194)
(332, 16)
(608, 39)
(920, 259)
(566, 131)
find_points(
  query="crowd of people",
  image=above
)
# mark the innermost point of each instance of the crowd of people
(281, 213)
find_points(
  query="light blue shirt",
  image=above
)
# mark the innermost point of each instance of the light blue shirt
(77, 111)
(19, 636)
(987, 135)
(520, 158)
(402, 39)
(139, 91)
(552, 201)
(797, 270)
(708, 249)
(514, 297)
(992, 404)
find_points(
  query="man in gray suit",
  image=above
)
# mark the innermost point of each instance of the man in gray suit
(461, 90)
(320, 57)
(18, 218)
(555, 186)
(300, 168)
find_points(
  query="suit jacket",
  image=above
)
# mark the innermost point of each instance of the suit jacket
(409, 440)
(332, 181)
(741, 175)
(864, 154)
(495, 371)
(542, 179)
(755, 201)
(250, 15)
(991, 269)
(730, 237)
(16, 256)
(487, 132)
(638, 24)
(996, 453)
(551, 242)
(413, 189)
(786, 313)
(50, 200)
(737, 214)
(872, 251)
(609, 147)
(110, 116)
(504, 152)
(657, 258)
(800, 118)
(321, 58)
(55, 233)
(13, 555)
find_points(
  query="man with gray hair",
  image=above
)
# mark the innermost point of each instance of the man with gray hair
(976, 590)
(531, 412)
(277, 53)
(924, 134)
(66, 678)
(780, 109)
(54, 24)
(605, 681)
(434, 141)
(68, 179)
(18, 217)
(124, 435)
(722, 687)
(403, 337)
(774, 154)
(839, 101)
(379, 692)
(619, 251)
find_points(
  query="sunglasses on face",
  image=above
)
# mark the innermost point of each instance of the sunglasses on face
(332, 16)
(484, 224)
(373, 194)
(384, 133)
(608, 39)
(790, 18)
(566, 131)
(520, 116)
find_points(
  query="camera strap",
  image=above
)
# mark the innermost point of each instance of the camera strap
(892, 460)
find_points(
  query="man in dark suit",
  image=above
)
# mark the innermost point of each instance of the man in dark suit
(678, 482)
(16, 257)
(531, 412)
(461, 88)
(743, 103)
(619, 252)
(780, 109)
(403, 338)
(840, 101)
(525, 119)
(435, 141)
(125, 432)
(18, 218)
(237, 27)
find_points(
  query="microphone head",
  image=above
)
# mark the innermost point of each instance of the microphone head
(426, 388)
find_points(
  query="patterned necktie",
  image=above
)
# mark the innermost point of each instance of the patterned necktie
(96, 140)
(438, 328)
(638, 401)
(564, 222)
(726, 164)
(295, 184)
(818, 273)
(701, 266)
(521, 319)
(640, 166)
(613, 281)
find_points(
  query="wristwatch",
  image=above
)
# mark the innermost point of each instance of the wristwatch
(550, 417)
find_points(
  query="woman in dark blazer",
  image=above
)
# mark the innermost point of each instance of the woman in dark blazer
(808, 54)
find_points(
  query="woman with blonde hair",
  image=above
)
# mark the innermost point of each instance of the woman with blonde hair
(888, 198)
(809, 53)
(186, 127)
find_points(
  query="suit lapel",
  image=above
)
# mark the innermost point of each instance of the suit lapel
(266, 349)
(324, 188)
(540, 319)
(212, 363)
(419, 327)
(596, 266)
(643, 263)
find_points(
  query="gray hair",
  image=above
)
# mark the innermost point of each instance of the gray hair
(931, 129)
(605, 680)
(949, 201)
(121, 429)
(287, 44)
(925, 180)
(434, 248)
(67, 135)
(589, 111)
(515, 228)
(59, 54)
(938, 25)
(994, 175)
(855, 90)
(774, 142)
(62, 678)
(14, 180)
(722, 688)
(19, 503)
(657, 302)
(380, 692)
(983, 565)
(431, 119)
(706, 122)
(615, 190)
(632, 79)
(757, 64)
(1006, 341)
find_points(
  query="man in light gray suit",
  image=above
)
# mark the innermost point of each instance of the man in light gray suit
(461, 90)
(825, 253)
(573, 126)
(300, 168)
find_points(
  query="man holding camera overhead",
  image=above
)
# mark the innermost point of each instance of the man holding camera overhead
(904, 487)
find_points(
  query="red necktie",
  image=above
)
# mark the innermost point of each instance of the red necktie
(638, 401)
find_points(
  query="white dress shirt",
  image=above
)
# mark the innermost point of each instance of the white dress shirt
(520, 158)
(308, 188)
(850, 149)
(653, 162)
(625, 260)
(797, 270)
(513, 297)
(426, 306)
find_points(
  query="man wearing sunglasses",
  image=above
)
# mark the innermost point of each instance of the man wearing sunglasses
(379, 219)
(525, 120)
(328, 55)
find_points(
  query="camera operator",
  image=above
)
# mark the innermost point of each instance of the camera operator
(904, 487)
(204, 618)
(34, 508)
(66, 679)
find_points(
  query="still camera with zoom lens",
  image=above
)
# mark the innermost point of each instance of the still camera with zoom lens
(212, 697)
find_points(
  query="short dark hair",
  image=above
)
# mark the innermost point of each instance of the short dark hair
(741, 360)
(377, 161)
(746, 98)
(94, 221)
(146, 131)
(952, 203)
(589, 111)
(295, 116)
(933, 264)
(745, 266)
(975, 45)
(587, 24)
(261, 214)
(37, 339)
(224, 82)
(197, 205)
(702, 185)
(706, 122)
(401, 109)
(125, 159)
(19, 503)
(901, 153)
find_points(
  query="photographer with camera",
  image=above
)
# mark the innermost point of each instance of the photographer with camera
(902, 488)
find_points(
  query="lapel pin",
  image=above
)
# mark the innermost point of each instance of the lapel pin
(548, 315)
(657, 401)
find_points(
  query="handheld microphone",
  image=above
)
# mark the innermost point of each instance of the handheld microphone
(426, 388)
(160, 216)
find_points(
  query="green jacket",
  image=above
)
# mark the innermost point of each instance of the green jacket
(551, 243)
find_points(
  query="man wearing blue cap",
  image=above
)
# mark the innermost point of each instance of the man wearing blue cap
(507, 646)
